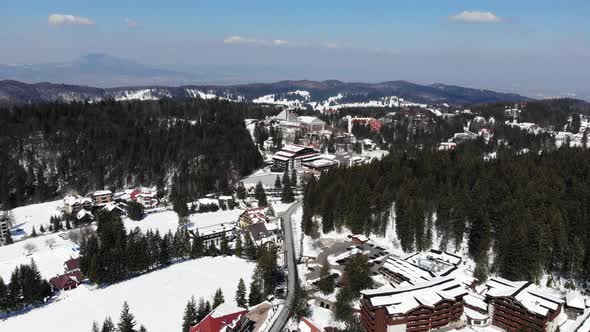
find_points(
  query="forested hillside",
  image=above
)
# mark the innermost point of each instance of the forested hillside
(530, 210)
(49, 149)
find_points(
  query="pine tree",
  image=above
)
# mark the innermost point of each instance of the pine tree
(299, 306)
(343, 308)
(108, 325)
(201, 310)
(224, 247)
(278, 184)
(41, 229)
(142, 329)
(197, 249)
(287, 192)
(33, 232)
(126, 320)
(241, 294)
(95, 327)
(218, 298)
(190, 317)
(250, 248)
(255, 295)
(293, 179)
(239, 248)
(260, 195)
(3, 295)
(241, 191)
(326, 283)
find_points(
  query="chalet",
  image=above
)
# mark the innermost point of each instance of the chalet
(521, 305)
(254, 216)
(102, 197)
(225, 317)
(374, 124)
(72, 265)
(359, 239)
(227, 201)
(311, 124)
(421, 307)
(145, 197)
(293, 156)
(73, 204)
(261, 234)
(66, 281)
(213, 235)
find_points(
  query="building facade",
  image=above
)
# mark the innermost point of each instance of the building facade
(424, 307)
(293, 156)
(522, 306)
(102, 197)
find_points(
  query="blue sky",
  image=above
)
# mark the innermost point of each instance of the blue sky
(471, 42)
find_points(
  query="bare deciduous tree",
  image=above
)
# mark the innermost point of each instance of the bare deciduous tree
(50, 243)
(29, 248)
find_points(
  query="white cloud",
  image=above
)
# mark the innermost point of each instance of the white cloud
(254, 41)
(475, 17)
(131, 23)
(60, 19)
(279, 42)
(238, 40)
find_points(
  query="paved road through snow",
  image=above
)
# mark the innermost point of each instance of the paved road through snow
(292, 278)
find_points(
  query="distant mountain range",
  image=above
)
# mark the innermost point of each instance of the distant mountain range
(318, 95)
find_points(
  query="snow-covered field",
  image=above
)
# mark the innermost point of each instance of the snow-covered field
(49, 261)
(156, 299)
(25, 217)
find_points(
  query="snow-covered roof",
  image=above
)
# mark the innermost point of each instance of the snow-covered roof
(102, 192)
(224, 309)
(535, 299)
(403, 299)
(310, 120)
(575, 300)
(82, 213)
(408, 270)
(476, 301)
(77, 199)
(498, 287)
(215, 229)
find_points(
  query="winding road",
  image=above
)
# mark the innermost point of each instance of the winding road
(292, 278)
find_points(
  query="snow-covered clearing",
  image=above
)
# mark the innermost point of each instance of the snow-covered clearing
(25, 217)
(49, 261)
(157, 299)
(325, 318)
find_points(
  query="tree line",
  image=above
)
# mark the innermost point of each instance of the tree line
(530, 209)
(49, 149)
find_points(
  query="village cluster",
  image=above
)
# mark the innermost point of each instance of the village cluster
(433, 290)
(415, 292)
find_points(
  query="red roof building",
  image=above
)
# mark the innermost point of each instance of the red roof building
(224, 316)
(66, 281)
(306, 325)
(72, 265)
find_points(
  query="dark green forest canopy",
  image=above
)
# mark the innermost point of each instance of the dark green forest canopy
(49, 149)
(532, 209)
